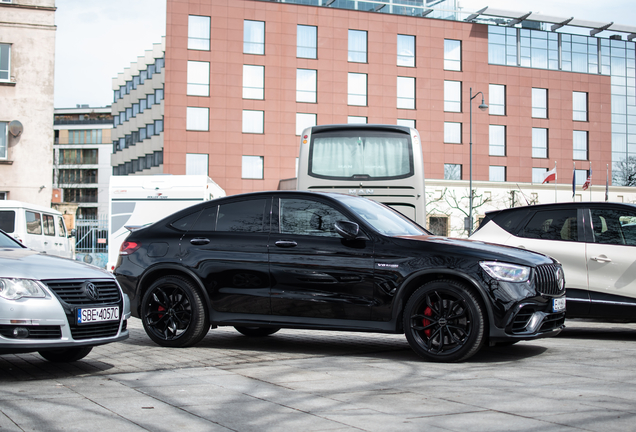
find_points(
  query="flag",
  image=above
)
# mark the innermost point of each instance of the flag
(574, 180)
(588, 182)
(607, 184)
(550, 175)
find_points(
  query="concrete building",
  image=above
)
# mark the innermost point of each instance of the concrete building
(81, 160)
(138, 111)
(27, 55)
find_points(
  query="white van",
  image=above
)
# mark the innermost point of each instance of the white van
(39, 228)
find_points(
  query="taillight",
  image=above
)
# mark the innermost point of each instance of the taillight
(128, 247)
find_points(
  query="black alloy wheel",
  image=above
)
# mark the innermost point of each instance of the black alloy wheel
(66, 355)
(257, 331)
(173, 313)
(444, 322)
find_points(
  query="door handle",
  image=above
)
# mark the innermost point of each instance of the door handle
(601, 259)
(200, 241)
(286, 244)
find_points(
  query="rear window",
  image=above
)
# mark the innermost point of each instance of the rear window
(508, 220)
(7, 221)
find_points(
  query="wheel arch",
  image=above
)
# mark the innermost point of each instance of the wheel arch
(153, 273)
(413, 282)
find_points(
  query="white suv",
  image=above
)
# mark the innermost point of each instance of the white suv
(595, 243)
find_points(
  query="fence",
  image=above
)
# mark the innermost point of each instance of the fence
(91, 241)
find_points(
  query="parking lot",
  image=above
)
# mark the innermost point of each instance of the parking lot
(328, 381)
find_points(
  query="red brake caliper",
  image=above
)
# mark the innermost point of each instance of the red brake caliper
(160, 309)
(425, 322)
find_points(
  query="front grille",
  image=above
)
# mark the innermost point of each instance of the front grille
(91, 331)
(546, 279)
(73, 292)
(521, 320)
(35, 332)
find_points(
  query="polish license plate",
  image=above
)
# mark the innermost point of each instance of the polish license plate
(95, 315)
(558, 304)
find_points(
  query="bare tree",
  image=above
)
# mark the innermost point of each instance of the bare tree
(624, 172)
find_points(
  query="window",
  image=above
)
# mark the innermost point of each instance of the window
(538, 174)
(306, 85)
(356, 120)
(49, 225)
(579, 145)
(406, 50)
(357, 87)
(539, 103)
(452, 54)
(243, 216)
(253, 121)
(196, 164)
(452, 133)
(357, 46)
(438, 225)
(406, 92)
(83, 195)
(197, 119)
(199, 32)
(61, 227)
(539, 143)
(304, 121)
(158, 126)
(78, 157)
(4, 139)
(33, 222)
(158, 95)
(552, 225)
(452, 172)
(135, 109)
(77, 176)
(497, 99)
(5, 62)
(579, 106)
(497, 140)
(580, 176)
(305, 217)
(306, 41)
(614, 226)
(453, 96)
(252, 167)
(497, 173)
(198, 78)
(253, 82)
(254, 37)
(406, 122)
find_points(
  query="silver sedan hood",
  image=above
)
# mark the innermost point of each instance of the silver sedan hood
(29, 264)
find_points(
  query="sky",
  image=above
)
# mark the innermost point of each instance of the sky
(97, 39)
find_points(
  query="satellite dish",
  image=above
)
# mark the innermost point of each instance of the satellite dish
(15, 128)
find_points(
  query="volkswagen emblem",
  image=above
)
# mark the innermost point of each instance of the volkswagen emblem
(91, 291)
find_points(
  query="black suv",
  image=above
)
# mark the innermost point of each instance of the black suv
(287, 259)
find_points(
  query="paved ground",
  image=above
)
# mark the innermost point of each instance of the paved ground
(327, 381)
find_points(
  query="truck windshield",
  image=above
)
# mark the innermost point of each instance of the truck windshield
(364, 155)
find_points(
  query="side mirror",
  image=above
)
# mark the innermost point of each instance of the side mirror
(349, 230)
(73, 233)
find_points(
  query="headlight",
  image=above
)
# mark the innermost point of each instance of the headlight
(506, 272)
(14, 289)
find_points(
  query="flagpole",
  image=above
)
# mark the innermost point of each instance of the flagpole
(556, 180)
(590, 175)
(573, 181)
(606, 182)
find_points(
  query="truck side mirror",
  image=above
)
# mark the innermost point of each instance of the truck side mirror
(73, 233)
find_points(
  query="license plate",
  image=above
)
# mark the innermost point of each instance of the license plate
(558, 304)
(95, 315)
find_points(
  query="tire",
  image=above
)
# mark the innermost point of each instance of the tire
(66, 355)
(444, 322)
(257, 331)
(173, 313)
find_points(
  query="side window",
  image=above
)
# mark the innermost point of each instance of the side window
(49, 225)
(7, 221)
(207, 220)
(61, 227)
(243, 216)
(614, 227)
(304, 217)
(33, 223)
(552, 225)
(186, 223)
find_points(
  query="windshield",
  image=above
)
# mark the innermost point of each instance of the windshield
(385, 220)
(361, 154)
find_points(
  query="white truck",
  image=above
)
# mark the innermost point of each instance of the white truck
(145, 199)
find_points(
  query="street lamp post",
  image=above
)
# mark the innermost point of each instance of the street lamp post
(482, 107)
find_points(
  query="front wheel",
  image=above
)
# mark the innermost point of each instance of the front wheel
(173, 312)
(444, 322)
(257, 331)
(66, 355)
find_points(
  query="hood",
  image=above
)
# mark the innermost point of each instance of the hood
(485, 251)
(29, 264)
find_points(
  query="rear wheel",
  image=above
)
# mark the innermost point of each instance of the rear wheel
(444, 322)
(173, 313)
(257, 331)
(66, 355)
